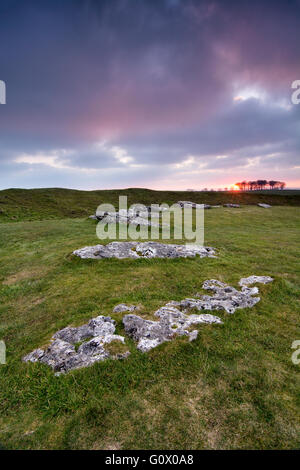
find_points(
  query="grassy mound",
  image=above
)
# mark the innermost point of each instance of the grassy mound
(39, 204)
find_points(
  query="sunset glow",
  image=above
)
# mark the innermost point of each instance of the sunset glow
(164, 119)
(234, 187)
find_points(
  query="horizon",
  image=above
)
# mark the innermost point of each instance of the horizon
(161, 95)
(159, 190)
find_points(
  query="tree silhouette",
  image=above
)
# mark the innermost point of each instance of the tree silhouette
(260, 185)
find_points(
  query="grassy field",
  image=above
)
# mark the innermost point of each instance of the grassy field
(234, 387)
(38, 204)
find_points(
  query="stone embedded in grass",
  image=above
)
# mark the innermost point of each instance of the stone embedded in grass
(137, 250)
(96, 326)
(62, 355)
(130, 216)
(172, 323)
(34, 356)
(224, 298)
(173, 320)
(193, 335)
(247, 281)
(264, 206)
(124, 308)
(193, 205)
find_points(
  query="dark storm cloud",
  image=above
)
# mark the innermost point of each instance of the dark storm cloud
(245, 124)
(153, 80)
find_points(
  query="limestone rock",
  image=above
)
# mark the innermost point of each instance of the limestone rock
(247, 281)
(34, 356)
(137, 250)
(264, 206)
(193, 205)
(124, 308)
(173, 318)
(61, 354)
(172, 323)
(224, 298)
(133, 216)
(96, 326)
(193, 335)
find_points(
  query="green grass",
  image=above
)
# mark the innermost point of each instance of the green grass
(235, 386)
(54, 203)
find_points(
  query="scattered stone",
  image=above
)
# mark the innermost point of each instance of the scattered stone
(232, 205)
(247, 281)
(137, 250)
(173, 318)
(193, 335)
(34, 356)
(124, 308)
(134, 216)
(192, 205)
(225, 298)
(62, 355)
(172, 323)
(265, 206)
(96, 326)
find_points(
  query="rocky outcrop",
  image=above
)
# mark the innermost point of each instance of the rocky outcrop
(235, 206)
(224, 298)
(193, 205)
(172, 323)
(173, 318)
(75, 347)
(248, 281)
(124, 308)
(62, 354)
(134, 216)
(137, 250)
(264, 206)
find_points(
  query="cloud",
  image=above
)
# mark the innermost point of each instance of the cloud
(148, 92)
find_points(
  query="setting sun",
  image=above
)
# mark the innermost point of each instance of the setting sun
(234, 187)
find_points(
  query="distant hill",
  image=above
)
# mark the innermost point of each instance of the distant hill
(49, 203)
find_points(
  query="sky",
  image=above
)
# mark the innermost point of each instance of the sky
(163, 94)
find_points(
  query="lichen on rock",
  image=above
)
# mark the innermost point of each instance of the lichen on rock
(134, 216)
(75, 347)
(247, 281)
(62, 355)
(173, 318)
(124, 308)
(172, 323)
(149, 249)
